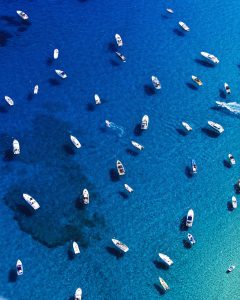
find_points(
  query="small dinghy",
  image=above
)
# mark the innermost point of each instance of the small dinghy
(31, 201)
(169, 10)
(35, 91)
(231, 159)
(22, 14)
(121, 56)
(78, 294)
(191, 239)
(197, 80)
(230, 269)
(194, 166)
(76, 248)
(85, 196)
(118, 40)
(163, 284)
(61, 74)
(227, 88)
(144, 123)
(55, 53)
(156, 83)
(128, 188)
(16, 147)
(19, 267)
(136, 145)
(9, 100)
(97, 99)
(75, 141)
(186, 126)
(234, 202)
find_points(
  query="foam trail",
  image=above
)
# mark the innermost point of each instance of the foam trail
(231, 106)
(119, 129)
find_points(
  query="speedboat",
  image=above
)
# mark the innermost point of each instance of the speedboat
(76, 248)
(166, 259)
(107, 123)
(210, 57)
(121, 56)
(217, 127)
(156, 82)
(231, 159)
(120, 168)
(9, 100)
(75, 141)
(186, 126)
(85, 196)
(35, 91)
(61, 74)
(184, 26)
(16, 147)
(120, 245)
(227, 88)
(136, 145)
(164, 284)
(97, 99)
(22, 14)
(19, 267)
(194, 166)
(219, 103)
(197, 80)
(191, 239)
(128, 188)
(118, 40)
(145, 121)
(55, 53)
(31, 201)
(169, 10)
(234, 202)
(230, 269)
(78, 294)
(190, 218)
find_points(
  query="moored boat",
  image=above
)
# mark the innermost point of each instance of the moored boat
(128, 188)
(118, 40)
(19, 267)
(22, 14)
(35, 91)
(217, 127)
(61, 73)
(85, 196)
(55, 53)
(234, 202)
(166, 259)
(230, 269)
(120, 168)
(164, 284)
(194, 166)
(197, 80)
(184, 26)
(227, 88)
(231, 159)
(156, 83)
(97, 99)
(210, 57)
(75, 141)
(9, 100)
(144, 123)
(190, 218)
(31, 201)
(120, 245)
(78, 294)
(16, 147)
(186, 126)
(76, 248)
(191, 239)
(169, 10)
(121, 56)
(108, 123)
(136, 145)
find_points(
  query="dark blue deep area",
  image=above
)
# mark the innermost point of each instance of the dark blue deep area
(55, 173)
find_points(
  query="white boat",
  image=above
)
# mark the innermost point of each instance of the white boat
(197, 80)
(190, 218)
(230, 269)
(35, 91)
(234, 202)
(191, 239)
(118, 40)
(22, 14)
(120, 245)
(9, 100)
(144, 123)
(55, 53)
(128, 188)
(19, 267)
(166, 259)
(121, 56)
(75, 141)
(164, 284)
(97, 99)
(169, 10)
(186, 126)
(31, 201)
(107, 123)
(136, 145)
(85, 196)
(194, 166)
(61, 73)
(120, 168)
(210, 57)
(231, 159)
(156, 83)
(16, 147)
(217, 127)
(184, 26)
(78, 294)
(76, 248)
(227, 88)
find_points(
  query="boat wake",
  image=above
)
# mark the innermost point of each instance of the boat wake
(233, 107)
(118, 129)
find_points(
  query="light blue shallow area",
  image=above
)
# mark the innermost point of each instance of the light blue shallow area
(50, 169)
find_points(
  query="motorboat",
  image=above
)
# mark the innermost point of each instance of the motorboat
(227, 88)
(19, 267)
(234, 202)
(9, 100)
(78, 294)
(76, 248)
(197, 80)
(231, 159)
(136, 145)
(55, 53)
(217, 127)
(16, 147)
(169, 10)
(75, 141)
(31, 201)
(97, 99)
(128, 188)
(85, 196)
(190, 218)
(186, 126)
(166, 259)
(120, 245)
(230, 269)
(61, 74)
(191, 239)
(22, 14)
(156, 83)
(121, 56)
(210, 57)
(120, 168)
(184, 26)
(35, 91)
(164, 284)
(144, 123)
(221, 104)
(194, 166)
(118, 40)
(108, 123)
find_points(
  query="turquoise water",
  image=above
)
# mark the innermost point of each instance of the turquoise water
(50, 169)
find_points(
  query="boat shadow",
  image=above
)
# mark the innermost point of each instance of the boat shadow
(68, 149)
(114, 175)
(8, 155)
(30, 96)
(113, 251)
(3, 109)
(226, 164)
(229, 206)
(187, 244)
(72, 297)
(149, 90)
(114, 63)
(210, 133)
(49, 61)
(222, 94)
(132, 152)
(182, 225)
(178, 32)
(54, 82)
(137, 130)
(71, 255)
(12, 275)
(90, 107)
(204, 63)
(166, 17)
(25, 210)
(159, 289)
(191, 86)
(188, 172)
(160, 265)
(4, 37)
(79, 203)
(124, 195)
(181, 132)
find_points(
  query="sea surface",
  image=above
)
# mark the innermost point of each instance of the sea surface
(52, 170)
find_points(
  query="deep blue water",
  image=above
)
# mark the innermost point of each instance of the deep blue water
(51, 170)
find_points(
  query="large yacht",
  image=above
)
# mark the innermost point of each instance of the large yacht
(210, 57)
(166, 259)
(156, 82)
(190, 218)
(120, 245)
(164, 284)
(217, 127)
(31, 201)
(120, 168)
(184, 26)
(145, 121)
